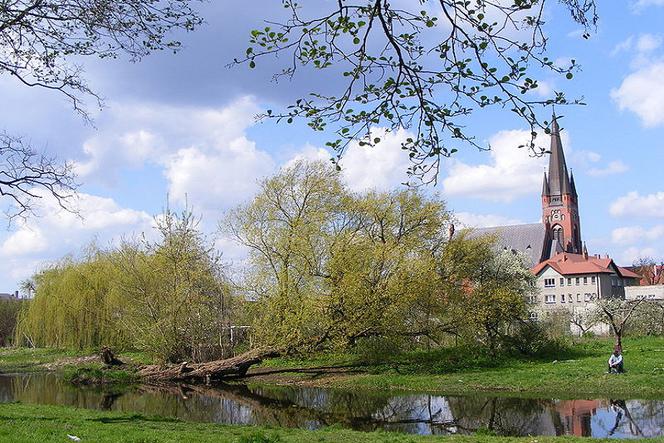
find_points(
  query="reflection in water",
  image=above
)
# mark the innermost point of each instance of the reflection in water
(313, 408)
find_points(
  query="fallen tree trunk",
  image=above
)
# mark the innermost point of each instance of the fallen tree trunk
(210, 371)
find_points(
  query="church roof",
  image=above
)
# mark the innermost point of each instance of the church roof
(529, 239)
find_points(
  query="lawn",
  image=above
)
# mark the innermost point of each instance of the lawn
(29, 423)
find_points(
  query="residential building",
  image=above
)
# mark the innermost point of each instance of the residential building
(574, 280)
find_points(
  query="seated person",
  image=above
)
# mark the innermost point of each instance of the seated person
(616, 362)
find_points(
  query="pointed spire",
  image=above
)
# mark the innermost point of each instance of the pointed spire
(585, 251)
(545, 186)
(558, 177)
(571, 182)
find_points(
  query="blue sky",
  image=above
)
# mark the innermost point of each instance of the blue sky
(182, 125)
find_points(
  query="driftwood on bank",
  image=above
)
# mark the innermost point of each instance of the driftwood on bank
(209, 371)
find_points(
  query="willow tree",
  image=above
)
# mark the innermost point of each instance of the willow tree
(376, 280)
(178, 304)
(286, 228)
(75, 305)
(484, 289)
(422, 65)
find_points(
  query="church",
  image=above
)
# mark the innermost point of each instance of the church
(560, 228)
(565, 272)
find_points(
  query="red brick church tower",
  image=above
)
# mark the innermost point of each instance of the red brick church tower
(560, 202)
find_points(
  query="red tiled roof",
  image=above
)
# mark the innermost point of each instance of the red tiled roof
(570, 264)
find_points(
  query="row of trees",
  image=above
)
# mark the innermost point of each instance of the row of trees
(167, 297)
(326, 268)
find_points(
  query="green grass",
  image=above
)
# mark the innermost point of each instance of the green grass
(32, 360)
(21, 423)
(576, 373)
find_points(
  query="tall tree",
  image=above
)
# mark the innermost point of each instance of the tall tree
(40, 41)
(423, 65)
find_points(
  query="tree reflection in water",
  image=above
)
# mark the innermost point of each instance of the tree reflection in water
(314, 408)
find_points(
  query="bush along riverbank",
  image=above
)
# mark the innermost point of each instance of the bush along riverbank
(22, 423)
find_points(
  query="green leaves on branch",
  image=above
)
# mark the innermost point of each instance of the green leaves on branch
(400, 71)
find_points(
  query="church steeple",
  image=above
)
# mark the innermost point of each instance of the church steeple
(559, 182)
(560, 211)
(545, 186)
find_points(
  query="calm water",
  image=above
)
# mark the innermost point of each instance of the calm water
(314, 408)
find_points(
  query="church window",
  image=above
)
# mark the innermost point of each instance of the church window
(550, 299)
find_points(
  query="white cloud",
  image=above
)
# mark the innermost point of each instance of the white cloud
(624, 45)
(630, 255)
(204, 152)
(217, 178)
(634, 204)
(58, 232)
(513, 172)
(638, 5)
(470, 220)
(648, 43)
(636, 234)
(383, 166)
(642, 92)
(614, 167)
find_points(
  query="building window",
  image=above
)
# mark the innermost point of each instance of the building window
(562, 281)
(614, 281)
(549, 299)
(578, 298)
(531, 299)
(585, 280)
(569, 281)
(578, 280)
(592, 279)
(534, 316)
(562, 298)
(620, 282)
(549, 282)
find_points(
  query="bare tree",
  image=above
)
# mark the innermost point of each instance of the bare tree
(39, 41)
(26, 175)
(618, 313)
(423, 65)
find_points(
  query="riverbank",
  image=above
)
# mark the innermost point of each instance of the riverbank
(21, 423)
(578, 372)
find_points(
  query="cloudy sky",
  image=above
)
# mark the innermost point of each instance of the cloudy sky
(183, 126)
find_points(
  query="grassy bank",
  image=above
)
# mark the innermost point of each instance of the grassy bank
(82, 367)
(576, 373)
(28, 423)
